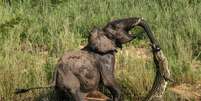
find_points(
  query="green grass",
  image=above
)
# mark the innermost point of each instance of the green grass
(35, 33)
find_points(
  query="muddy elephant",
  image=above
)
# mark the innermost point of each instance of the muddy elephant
(81, 72)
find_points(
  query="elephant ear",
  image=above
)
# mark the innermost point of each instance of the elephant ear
(98, 42)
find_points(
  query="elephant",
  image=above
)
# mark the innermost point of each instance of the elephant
(81, 72)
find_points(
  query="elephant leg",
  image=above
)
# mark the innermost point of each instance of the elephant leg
(70, 84)
(75, 89)
(110, 83)
(78, 95)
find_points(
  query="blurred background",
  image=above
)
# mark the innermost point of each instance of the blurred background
(35, 33)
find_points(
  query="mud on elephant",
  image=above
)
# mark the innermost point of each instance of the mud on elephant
(81, 72)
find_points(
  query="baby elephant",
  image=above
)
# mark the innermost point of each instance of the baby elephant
(81, 72)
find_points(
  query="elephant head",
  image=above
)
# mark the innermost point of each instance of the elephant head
(99, 42)
(118, 30)
(116, 33)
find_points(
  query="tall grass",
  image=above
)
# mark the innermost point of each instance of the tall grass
(35, 33)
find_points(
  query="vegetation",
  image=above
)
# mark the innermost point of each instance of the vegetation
(35, 33)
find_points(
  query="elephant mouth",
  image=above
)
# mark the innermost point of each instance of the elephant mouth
(130, 34)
